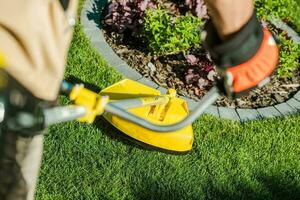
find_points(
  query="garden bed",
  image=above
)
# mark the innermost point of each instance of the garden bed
(192, 76)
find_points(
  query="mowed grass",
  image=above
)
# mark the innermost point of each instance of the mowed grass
(229, 160)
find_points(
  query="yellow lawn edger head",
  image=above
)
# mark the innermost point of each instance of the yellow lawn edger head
(150, 105)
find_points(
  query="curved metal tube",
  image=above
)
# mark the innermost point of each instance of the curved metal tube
(205, 102)
(63, 114)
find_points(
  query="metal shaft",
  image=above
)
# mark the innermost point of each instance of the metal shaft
(63, 114)
(205, 102)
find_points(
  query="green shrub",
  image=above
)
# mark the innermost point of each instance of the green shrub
(287, 10)
(284, 9)
(167, 34)
(289, 57)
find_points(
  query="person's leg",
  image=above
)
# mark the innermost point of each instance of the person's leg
(20, 159)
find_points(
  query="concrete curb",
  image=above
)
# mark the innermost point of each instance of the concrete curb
(291, 33)
(90, 20)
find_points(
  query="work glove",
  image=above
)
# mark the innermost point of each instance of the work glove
(21, 112)
(245, 60)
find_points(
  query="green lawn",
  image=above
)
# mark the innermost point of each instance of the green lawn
(255, 160)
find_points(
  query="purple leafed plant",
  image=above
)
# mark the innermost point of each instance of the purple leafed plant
(197, 7)
(125, 15)
(201, 72)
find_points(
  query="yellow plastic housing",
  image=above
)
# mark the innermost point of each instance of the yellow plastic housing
(173, 111)
(2, 60)
(93, 102)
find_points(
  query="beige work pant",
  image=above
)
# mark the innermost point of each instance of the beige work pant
(34, 40)
(20, 159)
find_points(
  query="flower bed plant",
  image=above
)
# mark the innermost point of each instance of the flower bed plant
(168, 34)
(161, 39)
(286, 10)
(289, 12)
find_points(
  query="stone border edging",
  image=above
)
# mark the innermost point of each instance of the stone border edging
(89, 21)
(280, 24)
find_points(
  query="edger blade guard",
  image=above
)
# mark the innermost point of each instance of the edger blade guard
(147, 103)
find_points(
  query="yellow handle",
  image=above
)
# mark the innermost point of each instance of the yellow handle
(2, 60)
(93, 102)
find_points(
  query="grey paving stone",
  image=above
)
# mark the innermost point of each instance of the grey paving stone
(162, 90)
(104, 49)
(83, 15)
(95, 35)
(294, 103)
(285, 109)
(128, 72)
(190, 102)
(109, 55)
(212, 110)
(248, 114)
(229, 113)
(280, 24)
(268, 112)
(85, 21)
(114, 60)
(147, 82)
(89, 4)
(297, 96)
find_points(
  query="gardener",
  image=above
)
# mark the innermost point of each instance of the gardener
(34, 38)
